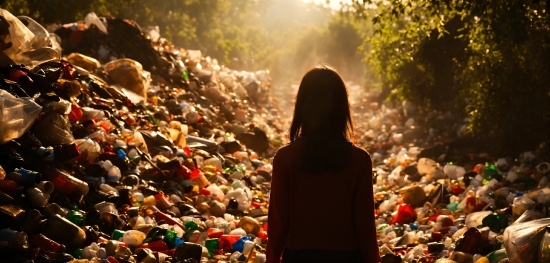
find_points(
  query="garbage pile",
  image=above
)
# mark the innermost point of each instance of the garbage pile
(155, 155)
(446, 203)
(128, 149)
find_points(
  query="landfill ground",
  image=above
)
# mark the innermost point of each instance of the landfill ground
(144, 152)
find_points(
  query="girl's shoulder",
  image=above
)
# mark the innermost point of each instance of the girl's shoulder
(360, 155)
(359, 150)
(288, 149)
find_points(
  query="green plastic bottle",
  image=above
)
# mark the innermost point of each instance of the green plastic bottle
(190, 226)
(497, 256)
(76, 217)
(212, 245)
(496, 222)
(489, 173)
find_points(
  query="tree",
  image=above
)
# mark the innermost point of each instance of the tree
(217, 27)
(490, 56)
(285, 36)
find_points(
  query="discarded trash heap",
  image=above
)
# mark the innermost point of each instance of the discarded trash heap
(115, 146)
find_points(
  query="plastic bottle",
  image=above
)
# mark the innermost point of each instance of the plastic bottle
(88, 148)
(63, 231)
(454, 171)
(496, 222)
(14, 239)
(489, 173)
(44, 243)
(65, 183)
(133, 237)
(37, 197)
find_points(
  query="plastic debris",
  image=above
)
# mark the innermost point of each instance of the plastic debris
(109, 155)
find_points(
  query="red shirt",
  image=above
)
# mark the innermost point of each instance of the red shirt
(321, 211)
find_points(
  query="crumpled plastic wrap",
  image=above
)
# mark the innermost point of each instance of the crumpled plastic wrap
(16, 116)
(129, 74)
(35, 57)
(522, 240)
(41, 36)
(527, 216)
(152, 32)
(29, 41)
(18, 35)
(92, 19)
(53, 129)
(230, 83)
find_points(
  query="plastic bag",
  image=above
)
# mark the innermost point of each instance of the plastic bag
(19, 35)
(413, 195)
(55, 42)
(228, 80)
(438, 195)
(152, 32)
(527, 216)
(476, 218)
(426, 166)
(194, 55)
(92, 19)
(53, 129)
(16, 116)
(35, 57)
(521, 204)
(130, 75)
(522, 240)
(41, 36)
(27, 47)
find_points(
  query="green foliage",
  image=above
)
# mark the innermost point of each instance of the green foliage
(221, 29)
(285, 36)
(490, 58)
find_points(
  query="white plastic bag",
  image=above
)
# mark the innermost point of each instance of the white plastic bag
(41, 36)
(16, 116)
(19, 35)
(92, 19)
(130, 75)
(522, 240)
(29, 45)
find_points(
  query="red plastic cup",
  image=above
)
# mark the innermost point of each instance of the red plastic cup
(76, 112)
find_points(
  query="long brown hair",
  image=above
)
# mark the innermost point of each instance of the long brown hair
(322, 117)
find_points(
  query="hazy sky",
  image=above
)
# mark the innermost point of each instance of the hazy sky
(334, 4)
